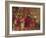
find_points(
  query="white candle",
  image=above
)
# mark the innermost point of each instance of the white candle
(22, 25)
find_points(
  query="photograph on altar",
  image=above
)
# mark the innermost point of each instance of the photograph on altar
(25, 18)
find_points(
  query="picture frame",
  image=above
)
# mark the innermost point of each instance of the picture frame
(9, 31)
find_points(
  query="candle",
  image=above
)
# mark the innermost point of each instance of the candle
(22, 25)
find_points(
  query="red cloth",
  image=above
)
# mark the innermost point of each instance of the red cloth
(29, 23)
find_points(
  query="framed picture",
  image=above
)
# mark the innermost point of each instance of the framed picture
(25, 18)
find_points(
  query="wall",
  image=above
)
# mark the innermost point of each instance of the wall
(2, 19)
